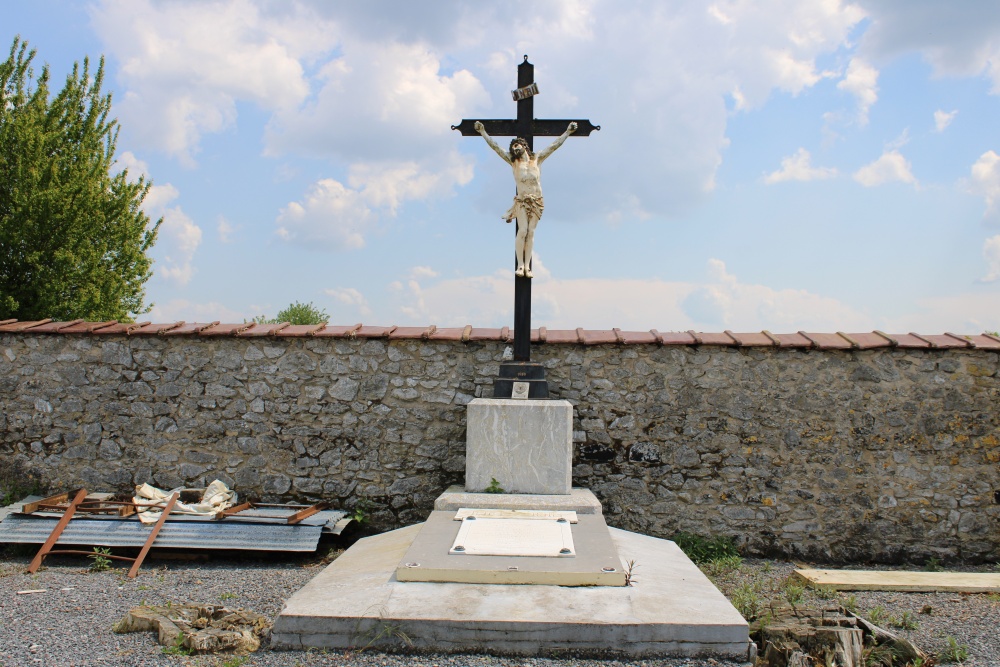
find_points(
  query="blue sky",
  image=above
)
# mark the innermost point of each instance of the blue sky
(785, 165)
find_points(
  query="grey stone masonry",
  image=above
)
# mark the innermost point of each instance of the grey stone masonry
(830, 454)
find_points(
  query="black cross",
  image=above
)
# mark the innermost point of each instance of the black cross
(527, 127)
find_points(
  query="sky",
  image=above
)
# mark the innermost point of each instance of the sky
(816, 165)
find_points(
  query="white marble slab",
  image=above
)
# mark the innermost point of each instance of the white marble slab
(464, 512)
(525, 445)
(514, 537)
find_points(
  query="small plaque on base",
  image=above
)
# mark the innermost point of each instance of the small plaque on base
(514, 537)
(519, 390)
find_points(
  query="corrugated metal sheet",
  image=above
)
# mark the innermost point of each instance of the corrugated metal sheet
(238, 535)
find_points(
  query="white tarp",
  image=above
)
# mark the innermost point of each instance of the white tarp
(217, 497)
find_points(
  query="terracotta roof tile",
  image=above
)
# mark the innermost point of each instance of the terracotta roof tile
(17, 327)
(713, 338)
(597, 336)
(561, 336)
(10, 321)
(299, 330)
(226, 329)
(188, 328)
(154, 329)
(909, 341)
(485, 334)
(867, 341)
(638, 338)
(447, 334)
(260, 330)
(87, 327)
(944, 341)
(751, 339)
(539, 335)
(677, 338)
(54, 327)
(408, 332)
(337, 331)
(791, 340)
(828, 341)
(986, 342)
(120, 328)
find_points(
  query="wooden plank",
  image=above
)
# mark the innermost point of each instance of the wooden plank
(235, 509)
(895, 580)
(152, 536)
(58, 498)
(36, 562)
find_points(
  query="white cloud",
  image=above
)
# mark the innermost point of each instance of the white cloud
(177, 310)
(890, 167)
(957, 38)
(338, 217)
(961, 313)
(348, 296)
(985, 181)
(185, 72)
(330, 217)
(861, 81)
(720, 303)
(798, 168)
(991, 253)
(178, 238)
(419, 272)
(225, 229)
(942, 119)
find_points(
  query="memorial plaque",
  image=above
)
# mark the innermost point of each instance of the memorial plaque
(514, 537)
(551, 515)
(520, 390)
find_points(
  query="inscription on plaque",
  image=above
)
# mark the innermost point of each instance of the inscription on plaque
(520, 390)
(514, 537)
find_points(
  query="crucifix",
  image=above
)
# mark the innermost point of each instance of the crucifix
(523, 376)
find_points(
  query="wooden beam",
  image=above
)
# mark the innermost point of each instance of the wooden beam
(895, 580)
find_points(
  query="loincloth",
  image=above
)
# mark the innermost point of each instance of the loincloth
(531, 206)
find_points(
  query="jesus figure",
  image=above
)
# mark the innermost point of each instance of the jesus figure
(528, 203)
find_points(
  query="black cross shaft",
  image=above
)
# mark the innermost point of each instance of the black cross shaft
(527, 127)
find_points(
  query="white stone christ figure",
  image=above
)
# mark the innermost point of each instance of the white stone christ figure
(528, 203)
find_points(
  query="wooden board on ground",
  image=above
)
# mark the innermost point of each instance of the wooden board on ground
(913, 582)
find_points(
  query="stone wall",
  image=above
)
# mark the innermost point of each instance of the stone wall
(886, 454)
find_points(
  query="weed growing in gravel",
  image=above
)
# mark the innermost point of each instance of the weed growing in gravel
(178, 647)
(933, 564)
(905, 621)
(876, 615)
(228, 596)
(706, 549)
(235, 661)
(360, 512)
(792, 590)
(721, 566)
(953, 651)
(825, 591)
(747, 600)
(879, 655)
(850, 603)
(101, 562)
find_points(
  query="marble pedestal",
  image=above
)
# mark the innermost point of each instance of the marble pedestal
(525, 445)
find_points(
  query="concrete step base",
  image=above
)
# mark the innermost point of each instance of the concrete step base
(672, 609)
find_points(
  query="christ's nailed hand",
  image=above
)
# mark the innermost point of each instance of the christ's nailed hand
(479, 127)
(572, 127)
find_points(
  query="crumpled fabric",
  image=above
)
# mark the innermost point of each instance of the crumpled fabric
(217, 497)
(532, 205)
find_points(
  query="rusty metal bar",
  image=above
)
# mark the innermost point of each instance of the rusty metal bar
(307, 512)
(56, 532)
(152, 537)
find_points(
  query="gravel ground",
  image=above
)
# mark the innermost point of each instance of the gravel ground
(70, 623)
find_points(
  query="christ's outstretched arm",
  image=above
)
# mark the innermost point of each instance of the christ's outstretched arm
(551, 148)
(499, 151)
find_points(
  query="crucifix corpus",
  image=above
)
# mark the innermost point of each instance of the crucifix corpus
(523, 378)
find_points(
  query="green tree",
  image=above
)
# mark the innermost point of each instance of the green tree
(73, 238)
(296, 313)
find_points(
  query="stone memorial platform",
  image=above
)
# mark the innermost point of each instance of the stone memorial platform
(672, 608)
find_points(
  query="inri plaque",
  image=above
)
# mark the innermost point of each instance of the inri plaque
(514, 537)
